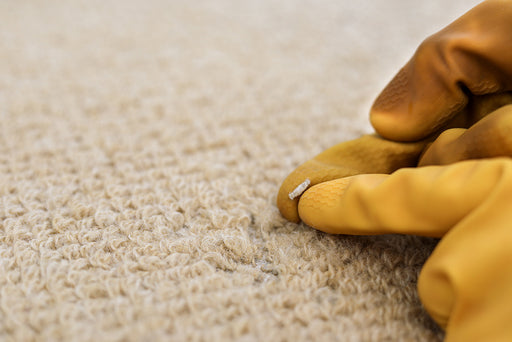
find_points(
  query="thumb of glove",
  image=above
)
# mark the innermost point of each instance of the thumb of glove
(367, 154)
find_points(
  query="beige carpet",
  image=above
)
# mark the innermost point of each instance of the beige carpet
(142, 144)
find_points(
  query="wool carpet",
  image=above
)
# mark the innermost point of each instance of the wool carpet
(142, 145)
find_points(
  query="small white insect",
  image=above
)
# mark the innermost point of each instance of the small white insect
(299, 189)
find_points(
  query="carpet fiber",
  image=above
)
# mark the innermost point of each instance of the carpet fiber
(142, 144)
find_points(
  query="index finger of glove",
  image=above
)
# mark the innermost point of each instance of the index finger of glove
(425, 201)
(469, 58)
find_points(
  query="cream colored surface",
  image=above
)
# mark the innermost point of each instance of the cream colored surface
(142, 145)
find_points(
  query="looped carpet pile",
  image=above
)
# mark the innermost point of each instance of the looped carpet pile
(142, 144)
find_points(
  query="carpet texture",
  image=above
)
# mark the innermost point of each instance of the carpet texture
(142, 145)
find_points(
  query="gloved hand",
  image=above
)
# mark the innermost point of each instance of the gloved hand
(451, 98)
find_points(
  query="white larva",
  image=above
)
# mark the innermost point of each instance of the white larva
(299, 189)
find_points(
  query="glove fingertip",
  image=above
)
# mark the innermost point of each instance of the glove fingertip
(287, 207)
(319, 206)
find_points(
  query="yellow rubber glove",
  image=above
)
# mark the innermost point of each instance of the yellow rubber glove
(457, 77)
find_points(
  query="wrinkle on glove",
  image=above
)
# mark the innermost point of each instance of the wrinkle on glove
(489, 137)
